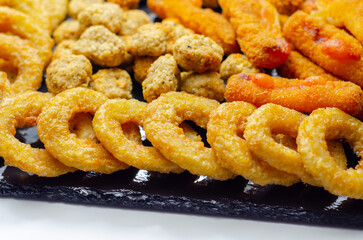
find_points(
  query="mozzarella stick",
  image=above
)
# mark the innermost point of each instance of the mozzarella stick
(258, 30)
(300, 95)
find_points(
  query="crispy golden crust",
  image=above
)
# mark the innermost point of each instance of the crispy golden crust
(64, 48)
(112, 82)
(298, 66)
(141, 66)
(5, 89)
(345, 13)
(10, 69)
(23, 111)
(109, 15)
(197, 53)
(257, 27)
(208, 85)
(25, 58)
(314, 131)
(331, 48)
(271, 118)
(179, 30)
(152, 40)
(286, 7)
(234, 64)
(113, 114)
(126, 4)
(132, 20)
(53, 130)
(201, 21)
(57, 9)
(33, 8)
(76, 6)
(20, 24)
(301, 95)
(162, 77)
(232, 151)
(68, 71)
(102, 47)
(67, 30)
(161, 124)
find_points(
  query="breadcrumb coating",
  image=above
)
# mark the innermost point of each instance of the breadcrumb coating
(112, 82)
(197, 53)
(132, 20)
(68, 71)
(101, 46)
(162, 77)
(209, 85)
(67, 30)
(234, 64)
(76, 6)
(141, 66)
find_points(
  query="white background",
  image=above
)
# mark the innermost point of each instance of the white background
(43, 220)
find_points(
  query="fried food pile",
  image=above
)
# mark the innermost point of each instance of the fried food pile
(277, 84)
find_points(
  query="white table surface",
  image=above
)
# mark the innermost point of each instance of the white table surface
(43, 220)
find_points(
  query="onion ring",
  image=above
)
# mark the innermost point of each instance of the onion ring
(53, 130)
(268, 119)
(5, 89)
(20, 24)
(232, 151)
(107, 124)
(57, 9)
(25, 57)
(81, 125)
(161, 125)
(328, 124)
(19, 112)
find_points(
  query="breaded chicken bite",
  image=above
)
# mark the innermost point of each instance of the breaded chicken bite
(162, 77)
(64, 48)
(76, 6)
(151, 40)
(109, 15)
(208, 84)
(234, 64)
(68, 71)
(113, 82)
(141, 66)
(102, 47)
(126, 4)
(197, 53)
(67, 30)
(179, 29)
(132, 20)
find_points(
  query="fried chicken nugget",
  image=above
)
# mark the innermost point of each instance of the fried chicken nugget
(201, 21)
(208, 85)
(113, 82)
(141, 66)
(126, 4)
(64, 48)
(298, 66)
(258, 31)
(331, 48)
(179, 29)
(76, 6)
(67, 30)
(162, 77)
(132, 20)
(197, 53)
(345, 13)
(102, 47)
(234, 64)
(109, 15)
(68, 71)
(301, 95)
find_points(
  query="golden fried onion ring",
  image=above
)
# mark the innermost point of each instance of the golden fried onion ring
(314, 131)
(19, 112)
(53, 130)
(21, 53)
(20, 24)
(161, 125)
(107, 124)
(232, 151)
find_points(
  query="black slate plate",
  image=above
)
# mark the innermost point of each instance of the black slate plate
(184, 193)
